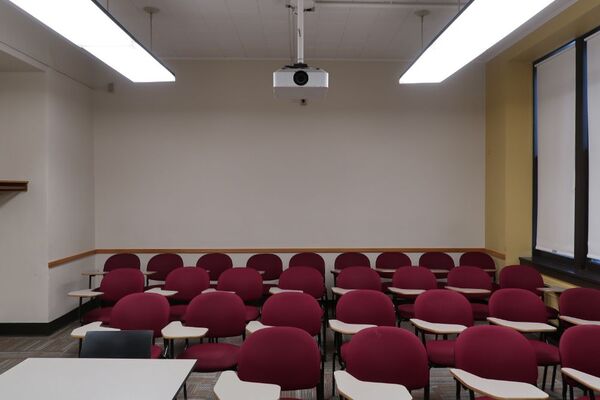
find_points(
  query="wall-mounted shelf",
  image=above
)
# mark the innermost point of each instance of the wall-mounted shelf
(13, 186)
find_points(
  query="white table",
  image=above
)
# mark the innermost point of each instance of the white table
(405, 292)
(498, 389)
(523, 327)
(438, 329)
(578, 321)
(468, 290)
(552, 289)
(276, 290)
(84, 294)
(94, 379)
(230, 387)
(354, 389)
(385, 271)
(340, 291)
(162, 292)
(254, 326)
(176, 330)
(347, 329)
(79, 333)
(91, 274)
(587, 380)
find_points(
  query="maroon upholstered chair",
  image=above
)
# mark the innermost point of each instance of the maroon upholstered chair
(473, 278)
(359, 278)
(496, 352)
(307, 279)
(411, 278)
(392, 260)
(246, 283)
(122, 260)
(436, 260)
(351, 259)
(582, 303)
(580, 349)
(308, 259)
(115, 285)
(224, 316)
(215, 264)
(370, 307)
(525, 306)
(142, 311)
(477, 259)
(388, 355)
(284, 356)
(442, 306)
(162, 264)
(188, 282)
(298, 310)
(524, 277)
(272, 266)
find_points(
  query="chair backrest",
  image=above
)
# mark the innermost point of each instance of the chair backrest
(444, 307)
(189, 282)
(298, 310)
(245, 282)
(284, 356)
(496, 352)
(215, 264)
(436, 260)
(477, 259)
(392, 260)
(141, 311)
(307, 279)
(414, 278)
(580, 349)
(308, 259)
(121, 282)
(270, 263)
(366, 307)
(122, 260)
(162, 264)
(581, 303)
(521, 277)
(351, 259)
(359, 278)
(224, 314)
(388, 355)
(469, 277)
(517, 305)
(117, 344)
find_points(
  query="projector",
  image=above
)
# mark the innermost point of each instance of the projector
(300, 82)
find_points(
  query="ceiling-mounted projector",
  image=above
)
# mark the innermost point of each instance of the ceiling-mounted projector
(299, 81)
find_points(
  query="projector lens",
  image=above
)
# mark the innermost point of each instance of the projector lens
(300, 78)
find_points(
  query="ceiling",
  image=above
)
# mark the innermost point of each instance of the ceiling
(260, 28)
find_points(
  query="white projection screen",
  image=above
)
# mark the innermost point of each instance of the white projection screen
(556, 86)
(593, 79)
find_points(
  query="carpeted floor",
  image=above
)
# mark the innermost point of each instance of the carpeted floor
(13, 350)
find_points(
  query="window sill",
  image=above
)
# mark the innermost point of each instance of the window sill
(564, 272)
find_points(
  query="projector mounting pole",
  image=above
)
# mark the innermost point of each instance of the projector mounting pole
(300, 31)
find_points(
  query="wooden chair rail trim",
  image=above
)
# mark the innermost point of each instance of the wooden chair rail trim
(67, 260)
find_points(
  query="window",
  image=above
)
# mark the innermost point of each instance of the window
(593, 117)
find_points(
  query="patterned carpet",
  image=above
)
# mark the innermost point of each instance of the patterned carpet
(13, 350)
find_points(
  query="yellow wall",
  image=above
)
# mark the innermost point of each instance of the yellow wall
(509, 124)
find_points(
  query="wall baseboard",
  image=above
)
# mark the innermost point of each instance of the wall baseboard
(41, 328)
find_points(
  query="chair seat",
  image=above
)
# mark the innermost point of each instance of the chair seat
(156, 351)
(158, 285)
(441, 352)
(406, 311)
(212, 357)
(252, 313)
(98, 314)
(545, 354)
(480, 311)
(177, 311)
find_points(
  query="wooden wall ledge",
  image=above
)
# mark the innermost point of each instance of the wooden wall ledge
(324, 250)
(13, 186)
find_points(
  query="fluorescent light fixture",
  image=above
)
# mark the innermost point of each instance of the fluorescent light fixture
(479, 26)
(87, 25)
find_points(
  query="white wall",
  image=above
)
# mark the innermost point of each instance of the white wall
(70, 187)
(23, 227)
(215, 161)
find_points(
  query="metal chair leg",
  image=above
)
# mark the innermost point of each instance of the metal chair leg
(553, 377)
(544, 377)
